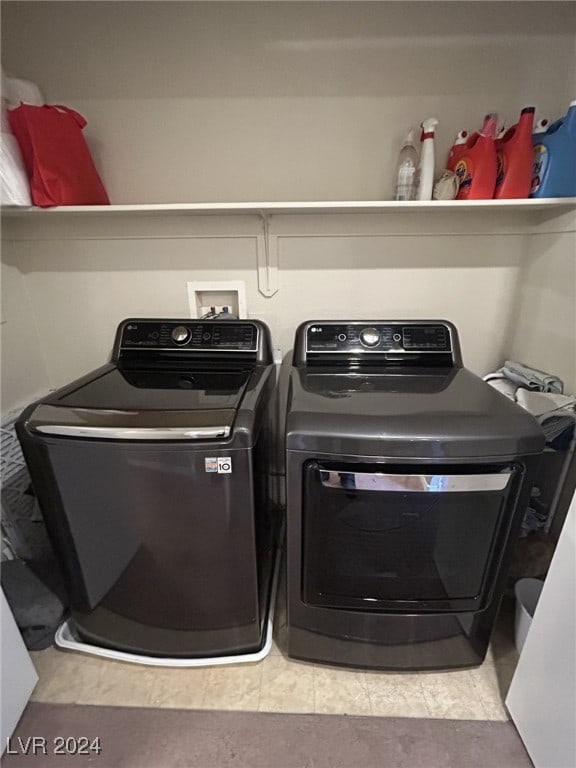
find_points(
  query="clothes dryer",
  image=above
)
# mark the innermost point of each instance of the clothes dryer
(407, 481)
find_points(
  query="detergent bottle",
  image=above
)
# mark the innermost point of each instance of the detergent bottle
(475, 162)
(514, 155)
(554, 158)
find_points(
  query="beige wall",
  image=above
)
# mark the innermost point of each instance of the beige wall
(544, 316)
(209, 101)
(283, 101)
(23, 364)
(81, 289)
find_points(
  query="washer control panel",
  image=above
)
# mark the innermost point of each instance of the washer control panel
(357, 338)
(193, 335)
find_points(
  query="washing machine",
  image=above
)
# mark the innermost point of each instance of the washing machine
(153, 476)
(407, 477)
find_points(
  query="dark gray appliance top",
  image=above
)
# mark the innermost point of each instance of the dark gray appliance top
(379, 407)
(151, 389)
(169, 380)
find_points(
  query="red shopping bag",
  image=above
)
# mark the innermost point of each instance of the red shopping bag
(56, 156)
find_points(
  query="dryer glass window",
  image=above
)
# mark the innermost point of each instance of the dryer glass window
(388, 537)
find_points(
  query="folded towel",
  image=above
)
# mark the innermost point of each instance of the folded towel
(531, 378)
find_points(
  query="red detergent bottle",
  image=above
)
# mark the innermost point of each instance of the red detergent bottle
(514, 153)
(474, 163)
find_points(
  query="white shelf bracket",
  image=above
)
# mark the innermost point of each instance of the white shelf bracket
(267, 258)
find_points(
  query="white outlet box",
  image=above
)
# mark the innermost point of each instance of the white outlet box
(203, 295)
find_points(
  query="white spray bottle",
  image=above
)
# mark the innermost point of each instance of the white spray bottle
(426, 182)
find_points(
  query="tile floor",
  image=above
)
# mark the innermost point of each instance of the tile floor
(279, 684)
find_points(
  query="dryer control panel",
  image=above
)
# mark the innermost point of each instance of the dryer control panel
(379, 342)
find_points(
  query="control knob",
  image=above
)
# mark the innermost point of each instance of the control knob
(370, 337)
(180, 334)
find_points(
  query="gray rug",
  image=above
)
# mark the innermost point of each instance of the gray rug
(172, 738)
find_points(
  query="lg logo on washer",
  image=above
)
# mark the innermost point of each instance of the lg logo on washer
(222, 465)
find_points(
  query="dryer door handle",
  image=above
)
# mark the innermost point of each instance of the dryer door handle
(414, 483)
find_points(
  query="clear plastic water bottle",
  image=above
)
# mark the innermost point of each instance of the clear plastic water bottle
(406, 181)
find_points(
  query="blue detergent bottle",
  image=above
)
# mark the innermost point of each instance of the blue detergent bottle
(554, 158)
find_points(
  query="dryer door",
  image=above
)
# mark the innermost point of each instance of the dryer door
(384, 537)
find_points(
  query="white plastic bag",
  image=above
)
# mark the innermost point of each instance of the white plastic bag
(16, 90)
(14, 184)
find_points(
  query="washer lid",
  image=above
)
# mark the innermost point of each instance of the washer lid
(180, 389)
(146, 404)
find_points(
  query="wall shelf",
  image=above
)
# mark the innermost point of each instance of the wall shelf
(558, 205)
(266, 222)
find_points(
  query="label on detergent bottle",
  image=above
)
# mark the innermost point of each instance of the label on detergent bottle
(500, 167)
(464, 170)
(540, 160)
